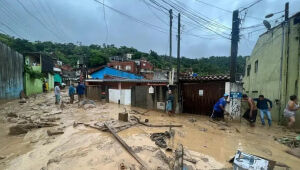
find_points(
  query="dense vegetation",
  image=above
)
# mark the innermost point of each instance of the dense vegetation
(96, 55)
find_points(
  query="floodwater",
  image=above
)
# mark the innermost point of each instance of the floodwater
(85, 148)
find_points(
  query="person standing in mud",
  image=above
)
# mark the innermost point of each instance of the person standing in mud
(80, 91)
(170, 101)
(251, 113)
(219, 108)
(71, 93)
(57, 93)
(290, 110)
(262, 105)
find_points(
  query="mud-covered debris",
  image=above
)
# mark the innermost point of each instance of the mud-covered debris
(49, 119)
(22, 122)
(23, 100)
(11, 114)
(12, 120)
(205, 159)
(89, 106)
(203, 129)
(85, 101)
(2, 157)
(222, 128)
(162, 156)
(159, 138)
(54, 160)
(294, 152)
(192, 120)
(291, 142)
(52, 132)
(20, 129)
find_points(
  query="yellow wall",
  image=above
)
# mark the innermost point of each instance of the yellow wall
(266, 80)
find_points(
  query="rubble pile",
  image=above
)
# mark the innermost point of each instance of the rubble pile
(159, 138)
(34, 113)
(292, 142)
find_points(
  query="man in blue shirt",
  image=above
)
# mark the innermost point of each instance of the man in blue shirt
(219, 107)
(262, 105)
(71, 93)
(80, 90)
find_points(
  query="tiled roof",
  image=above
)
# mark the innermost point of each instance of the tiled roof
(205, 78)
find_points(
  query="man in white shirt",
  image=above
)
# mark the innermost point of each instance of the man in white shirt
(57, 93)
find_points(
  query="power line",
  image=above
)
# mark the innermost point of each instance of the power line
(56, 20)
(148, 6)
(190, 15)
(250, 5)
(36, 18)
(8, 27)
(133, 18)
(214, 6)
(201, 16)
(104, 16)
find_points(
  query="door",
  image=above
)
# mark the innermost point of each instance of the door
(199, 98)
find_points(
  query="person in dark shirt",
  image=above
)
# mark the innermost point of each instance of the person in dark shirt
(219, 107)
(170, 102)
(80, 91)
(264, 108)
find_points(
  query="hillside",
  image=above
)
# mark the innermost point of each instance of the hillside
(96, 55)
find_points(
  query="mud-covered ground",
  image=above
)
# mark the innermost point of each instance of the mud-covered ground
(207, 144)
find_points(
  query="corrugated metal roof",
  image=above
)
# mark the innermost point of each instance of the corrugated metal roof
(205, 78)
(128, 80)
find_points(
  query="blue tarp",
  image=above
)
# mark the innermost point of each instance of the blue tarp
(114, 73)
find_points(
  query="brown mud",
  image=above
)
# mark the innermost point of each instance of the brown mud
(81, 147)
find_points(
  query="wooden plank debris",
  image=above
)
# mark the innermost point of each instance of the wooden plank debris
(151, 125)
(128, 148)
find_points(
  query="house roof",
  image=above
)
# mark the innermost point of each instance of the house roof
(127, 80)
(205, 78)
(101, 72)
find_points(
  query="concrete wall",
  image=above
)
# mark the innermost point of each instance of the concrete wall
(140, 97)
(32, 85)
(266, 80)
(11, 73)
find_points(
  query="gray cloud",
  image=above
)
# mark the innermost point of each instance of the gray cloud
(83, 20)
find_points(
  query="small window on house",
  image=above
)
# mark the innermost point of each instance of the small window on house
(248, 70)
(128, 68)
(256, 66)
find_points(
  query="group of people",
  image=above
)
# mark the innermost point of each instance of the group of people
(80, 90)
(263, 104)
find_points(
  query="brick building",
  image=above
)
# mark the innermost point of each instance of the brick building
(128, 66)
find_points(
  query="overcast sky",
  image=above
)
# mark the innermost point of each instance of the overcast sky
(83, 21)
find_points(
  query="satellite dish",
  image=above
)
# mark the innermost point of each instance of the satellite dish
(267, 24)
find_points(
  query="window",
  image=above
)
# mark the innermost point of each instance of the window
(248, 70)
(128, 68)
(256, 66)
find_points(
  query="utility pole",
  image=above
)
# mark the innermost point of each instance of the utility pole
(234, 44)
(178, 64)
(178, 48)
(286, 12)
(171, 17)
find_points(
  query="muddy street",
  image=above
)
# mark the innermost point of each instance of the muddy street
(53, 142)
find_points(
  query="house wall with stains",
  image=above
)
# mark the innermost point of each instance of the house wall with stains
(273, 69)
(11, 73)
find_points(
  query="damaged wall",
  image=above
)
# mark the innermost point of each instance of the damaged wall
(11, 73)
(263, 74)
